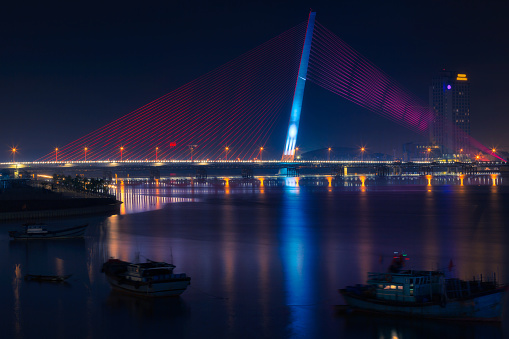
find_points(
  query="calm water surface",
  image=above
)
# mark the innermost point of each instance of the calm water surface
(264, 262)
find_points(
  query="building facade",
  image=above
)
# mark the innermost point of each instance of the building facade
(449, 96)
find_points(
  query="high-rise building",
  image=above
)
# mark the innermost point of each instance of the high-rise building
(449, 96)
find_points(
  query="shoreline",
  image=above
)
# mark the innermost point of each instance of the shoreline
(65, 212)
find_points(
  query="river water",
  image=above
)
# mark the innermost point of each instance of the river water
(265, 262)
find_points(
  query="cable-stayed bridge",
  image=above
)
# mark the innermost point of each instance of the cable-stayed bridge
(230, 112)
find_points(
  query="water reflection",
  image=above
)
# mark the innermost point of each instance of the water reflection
(298, 255)
(142, 198)
(265, 261)
(147, 308)
(360, 326)
(16, 284)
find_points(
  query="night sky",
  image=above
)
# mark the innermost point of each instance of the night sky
(67, 69)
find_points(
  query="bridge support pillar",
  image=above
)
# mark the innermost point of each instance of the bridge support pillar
(154, 174)
(426, 170)
(467, 169)
(289, 172)
(247, 173)
(382, 171)
(338, 171)
(397, 170)
(201, 173)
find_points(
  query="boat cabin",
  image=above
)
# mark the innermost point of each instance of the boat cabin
(408, 286)
(150, 271)
(35, 229)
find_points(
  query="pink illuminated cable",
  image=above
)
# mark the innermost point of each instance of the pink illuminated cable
(140, 130)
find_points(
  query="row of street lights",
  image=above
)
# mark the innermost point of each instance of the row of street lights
(227, 149)
(362, 149)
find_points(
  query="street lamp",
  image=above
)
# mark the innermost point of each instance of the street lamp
(296, 150)
(191, 149)
(261, 150)
(13, 150)
(362, 153)
(157, 149)
(226, 149)
(328, 155)
(121, 151)
(429, 151)
(85, 149)
(56, 154)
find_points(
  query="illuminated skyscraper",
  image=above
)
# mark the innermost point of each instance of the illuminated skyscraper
(449, 96)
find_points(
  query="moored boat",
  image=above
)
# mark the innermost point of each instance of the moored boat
(152, 279)
(426, 294)
(41, 231)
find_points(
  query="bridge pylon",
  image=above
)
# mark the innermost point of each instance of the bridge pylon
(293, 127)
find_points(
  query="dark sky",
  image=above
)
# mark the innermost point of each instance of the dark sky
(71, 67)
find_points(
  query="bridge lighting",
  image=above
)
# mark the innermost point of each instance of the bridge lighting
(291, 137)
(85, 149)
(56, 154)
(157, 149)
(493, 150)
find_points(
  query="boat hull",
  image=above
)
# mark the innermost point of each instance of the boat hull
(47, 278)
(485, 307)
(73, 232)
(170, 288)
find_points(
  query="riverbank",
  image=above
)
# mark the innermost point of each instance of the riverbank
(23, 201)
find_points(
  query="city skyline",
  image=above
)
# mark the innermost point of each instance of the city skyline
(64, 80)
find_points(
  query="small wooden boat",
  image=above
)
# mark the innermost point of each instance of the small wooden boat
(152, 279)
(426, 294)
(47, 278)
(40, 231)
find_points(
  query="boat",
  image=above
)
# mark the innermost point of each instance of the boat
(48, 278)
(40, 231)
(427, 294)
(152, 278)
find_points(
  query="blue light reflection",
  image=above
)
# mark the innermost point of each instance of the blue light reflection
(298, 256)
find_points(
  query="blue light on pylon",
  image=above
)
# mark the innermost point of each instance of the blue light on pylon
(293, 127)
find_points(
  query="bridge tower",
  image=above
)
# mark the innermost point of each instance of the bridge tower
(293, 127)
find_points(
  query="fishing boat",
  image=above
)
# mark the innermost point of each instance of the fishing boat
(152, 278)
(47, 278)
(41, 231)
(426, 294)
